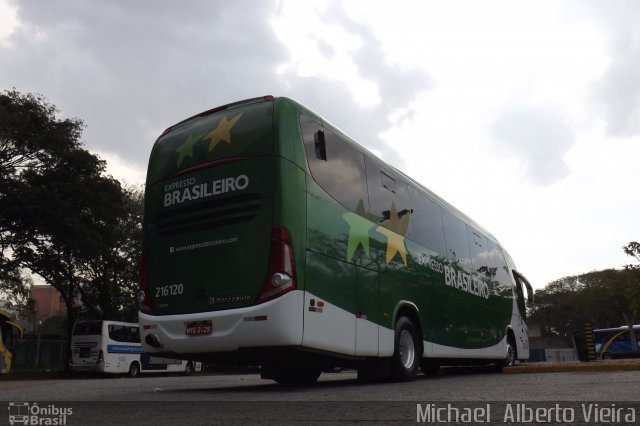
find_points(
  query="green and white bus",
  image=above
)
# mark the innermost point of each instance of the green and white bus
(271, 238)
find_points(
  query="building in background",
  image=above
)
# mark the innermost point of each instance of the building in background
(48, 300)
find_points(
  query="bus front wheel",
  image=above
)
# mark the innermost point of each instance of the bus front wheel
(510, 359)
(407, 351)
(134, 370)
(188, 369)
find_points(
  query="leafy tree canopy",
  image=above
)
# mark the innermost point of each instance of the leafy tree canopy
(608, 298)
(61, 216)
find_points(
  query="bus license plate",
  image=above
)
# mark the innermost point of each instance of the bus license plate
(198, 328)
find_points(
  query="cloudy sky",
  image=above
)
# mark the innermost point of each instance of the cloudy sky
(525, 115)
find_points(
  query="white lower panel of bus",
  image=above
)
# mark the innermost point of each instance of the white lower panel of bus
(281, 322)
(328, 327)
(277, 322)
(497, 351)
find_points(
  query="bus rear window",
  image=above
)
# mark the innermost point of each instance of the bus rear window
(87, 328)
(242, 131)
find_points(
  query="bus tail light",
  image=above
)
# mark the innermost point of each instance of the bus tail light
(100, 359)
(281, 273)
(144, 297)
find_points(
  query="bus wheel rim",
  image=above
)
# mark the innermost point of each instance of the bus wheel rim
(406, 348)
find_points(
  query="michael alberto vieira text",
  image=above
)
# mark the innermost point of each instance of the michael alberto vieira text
(596, 413)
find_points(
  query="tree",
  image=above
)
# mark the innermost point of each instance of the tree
(30, 138)
(15, 292)
(603, 298)
(61, 217)
(631, 291)
(30, 133)
(113, 273)
(633, 249)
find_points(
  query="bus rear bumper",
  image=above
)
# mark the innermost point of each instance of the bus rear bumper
(277, 322)
(85, 368)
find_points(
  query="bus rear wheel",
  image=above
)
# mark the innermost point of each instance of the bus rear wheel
(134, 369)
(188, 369)
(407, 351)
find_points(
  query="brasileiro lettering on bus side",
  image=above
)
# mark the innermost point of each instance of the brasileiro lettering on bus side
(465, 282)
(188, 189)
(454, 278)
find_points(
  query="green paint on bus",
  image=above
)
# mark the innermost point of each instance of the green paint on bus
(364, 237)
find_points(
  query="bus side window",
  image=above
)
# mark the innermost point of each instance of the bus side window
(426, 222)
(480, 253)
(387, 194)
(388, 182)
(455, 235)
(336, 165)
(115, 332)
(497, 261)
(133, 335)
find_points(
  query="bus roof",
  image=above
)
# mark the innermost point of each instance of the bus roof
(443, 203)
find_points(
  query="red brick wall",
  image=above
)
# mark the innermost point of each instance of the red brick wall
(48, 301)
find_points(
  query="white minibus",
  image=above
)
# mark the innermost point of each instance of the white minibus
(114, 347)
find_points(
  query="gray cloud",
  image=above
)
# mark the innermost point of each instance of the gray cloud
(538, 138)
(397, 88)
(130, 69)
(617, 93)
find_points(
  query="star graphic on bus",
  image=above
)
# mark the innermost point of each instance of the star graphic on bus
(358, 230)
(222, 132)
(395, 244)
(186, 149)
(395, 232)
(358, 233)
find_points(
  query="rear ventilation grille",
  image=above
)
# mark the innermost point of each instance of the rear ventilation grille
(208, 215)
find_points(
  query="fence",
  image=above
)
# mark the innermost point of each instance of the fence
(40, 353)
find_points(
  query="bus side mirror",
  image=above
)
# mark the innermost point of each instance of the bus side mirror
(526, 283)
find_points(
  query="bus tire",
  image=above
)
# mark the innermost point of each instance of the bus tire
(188, 369)
(407, 353)
(134, 369)
(512, 354)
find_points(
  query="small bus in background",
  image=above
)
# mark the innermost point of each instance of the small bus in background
(9, 331)
(114, 347)
(615, 342)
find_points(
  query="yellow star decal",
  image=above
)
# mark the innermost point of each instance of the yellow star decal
(222, 132)
(395, 231)
(395, 244)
